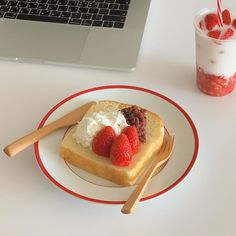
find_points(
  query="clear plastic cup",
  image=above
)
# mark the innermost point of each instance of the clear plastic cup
(215, 60)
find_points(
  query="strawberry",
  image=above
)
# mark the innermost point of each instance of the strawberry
(132, 134)
(214, 34)
(211, 20)
(234, 23)
(201, 25)
(121, 151)
(226, 17)
(103, 140)
(227, 34)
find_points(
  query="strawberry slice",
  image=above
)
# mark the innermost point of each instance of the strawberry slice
(234, 23)
(103, 140)
(211, 20)
(132, 134)
(226, 17)
(201, 25)
(214, 34)
(227, 34)
(121, 151)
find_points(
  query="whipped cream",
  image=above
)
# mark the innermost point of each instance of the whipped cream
(217, 57)
(89, 126)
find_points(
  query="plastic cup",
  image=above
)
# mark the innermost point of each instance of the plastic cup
(215, 61)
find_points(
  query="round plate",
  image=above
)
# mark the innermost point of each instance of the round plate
(89, 187)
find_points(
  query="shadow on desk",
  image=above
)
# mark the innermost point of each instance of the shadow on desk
(172, 74)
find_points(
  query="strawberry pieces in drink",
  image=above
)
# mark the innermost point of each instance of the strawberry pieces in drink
(132, 134)
(211, 20)
(102, 142)
(214, 34)
(121, 151)
(234, 23)
(227, 34)
(226, 17)
(201, 25)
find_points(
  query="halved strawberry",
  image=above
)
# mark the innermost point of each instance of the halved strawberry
(226, 17)
(121, 151)
(227, 34)
(102, 142)
(234, 23)
(132, 134)
(211, 20)
(214, 34)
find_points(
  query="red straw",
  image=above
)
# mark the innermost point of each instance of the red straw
(219, 13)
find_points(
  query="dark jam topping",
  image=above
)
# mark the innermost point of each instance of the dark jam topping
(136, 116)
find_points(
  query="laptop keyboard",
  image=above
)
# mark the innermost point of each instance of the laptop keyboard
(98, 13)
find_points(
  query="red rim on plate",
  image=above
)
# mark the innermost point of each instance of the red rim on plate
(196, 139)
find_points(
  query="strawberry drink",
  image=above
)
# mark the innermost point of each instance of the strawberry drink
(215, 52)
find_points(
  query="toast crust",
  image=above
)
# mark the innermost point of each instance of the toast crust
(87, 160)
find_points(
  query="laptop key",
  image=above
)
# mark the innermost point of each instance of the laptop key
(43, 18)
(4, 8)
(96, 17)
(1, 14)
(93, 4)
(42, 1)
(87, 22)
(62, 8)
(103, 11)
(93, 10)
(21, 4)
(103, 5)
(114, 18)
(32, 5)
(123, 1)
(14, 9)
(10, 15)
(124, 7)
(45, 13)
(24, 10)
(113, 6)
(12, 3)
(118, 25)
(34, 11)
(72, 3)
(42, 6)
(83, 9)
(55, 13)
(109, 1)
(52, 7)
(62, 2)
(86, 16)
(65, 14)
(107, 24)
(72, 9)
(3, 2)
(52, 1)
(75, 21)
(118, 13)
(75, 15)
(97, 23)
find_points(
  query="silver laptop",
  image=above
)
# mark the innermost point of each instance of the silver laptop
(92, 33)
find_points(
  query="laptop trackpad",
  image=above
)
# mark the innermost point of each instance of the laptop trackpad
(43, 41)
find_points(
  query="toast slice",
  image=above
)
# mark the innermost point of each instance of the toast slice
(86, 159)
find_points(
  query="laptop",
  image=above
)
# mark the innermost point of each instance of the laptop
(87, 33)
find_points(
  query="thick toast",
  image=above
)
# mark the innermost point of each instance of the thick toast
(86, 159)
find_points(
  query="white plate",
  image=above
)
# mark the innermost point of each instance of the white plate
(89, 187)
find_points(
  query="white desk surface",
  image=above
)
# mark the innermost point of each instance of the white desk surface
(202, 204)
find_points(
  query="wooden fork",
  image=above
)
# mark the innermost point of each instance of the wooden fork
(65, 121)
(162, 157)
